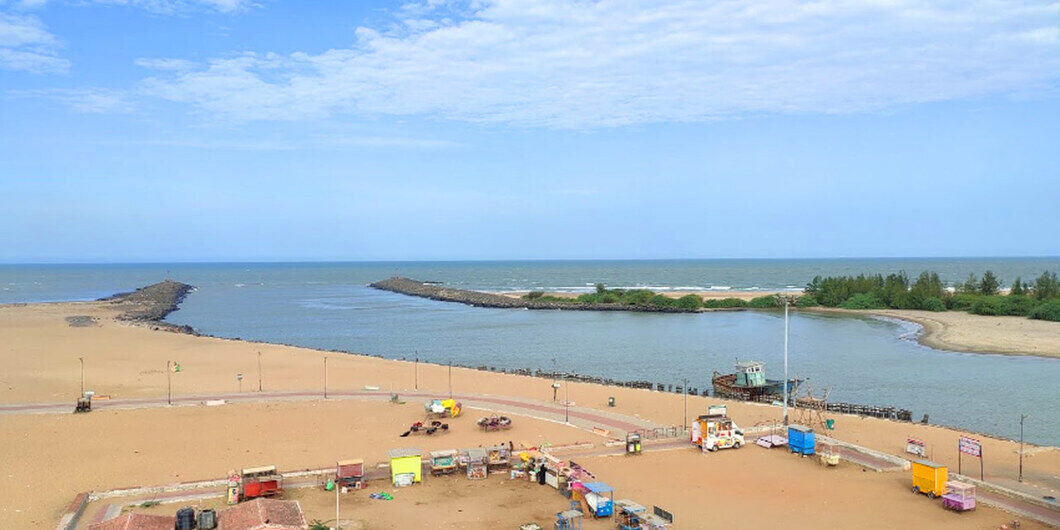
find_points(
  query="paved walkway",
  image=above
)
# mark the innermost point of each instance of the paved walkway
(578, 416)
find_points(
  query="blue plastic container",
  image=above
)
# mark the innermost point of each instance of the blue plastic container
(801, 440)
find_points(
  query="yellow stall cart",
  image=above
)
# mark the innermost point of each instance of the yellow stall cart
(929, 478)
(406, 466)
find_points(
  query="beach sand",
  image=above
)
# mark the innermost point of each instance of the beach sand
(965, 332)
(51, 457)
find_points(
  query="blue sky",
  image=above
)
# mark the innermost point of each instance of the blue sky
(157, 130)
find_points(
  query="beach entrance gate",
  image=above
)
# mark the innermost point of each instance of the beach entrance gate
(406, 466)
(261, 481)
(801, 440)
(929, 478)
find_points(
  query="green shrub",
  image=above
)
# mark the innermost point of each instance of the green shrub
(1048, 311)
(661, 301)
(689, 301)
(534, 294)
(962, 301)
(1018, 305)
(987, 305)
(806, 301)
(932, 304)
(764, 302)
(721, 303)
(863, 301)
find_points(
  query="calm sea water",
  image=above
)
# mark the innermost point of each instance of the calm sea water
(860, 360)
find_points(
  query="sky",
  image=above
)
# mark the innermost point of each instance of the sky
(242, 130)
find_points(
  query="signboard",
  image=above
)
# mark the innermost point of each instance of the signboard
(663, 514)
(915, 447)
(970, 446)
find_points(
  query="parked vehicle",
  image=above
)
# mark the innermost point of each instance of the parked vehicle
(716, 431)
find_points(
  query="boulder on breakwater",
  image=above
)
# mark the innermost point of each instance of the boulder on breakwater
(151, 303)
(433, 291)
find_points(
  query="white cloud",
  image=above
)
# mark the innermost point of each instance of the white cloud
(177, 65)
(87, 100)
(321, 142)
(598, 63)
(174, 6)
(26, 45)
(157, 6)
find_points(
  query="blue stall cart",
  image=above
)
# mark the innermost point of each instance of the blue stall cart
(600, 497)
(801, 440)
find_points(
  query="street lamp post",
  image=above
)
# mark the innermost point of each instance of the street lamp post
(566, 400)
(684, 387)
(416, 371)
(450, 379)
(325, 377)
(1022, 417)
(259, 371)
(169, 382)
(82, 359)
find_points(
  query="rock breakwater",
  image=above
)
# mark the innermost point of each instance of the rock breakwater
(151, 303)
(480, 299)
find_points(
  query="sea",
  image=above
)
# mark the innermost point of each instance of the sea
(861, 360)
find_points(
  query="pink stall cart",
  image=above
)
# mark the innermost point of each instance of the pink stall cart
(959, 497)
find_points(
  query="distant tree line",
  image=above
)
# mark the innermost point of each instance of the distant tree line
(1039, 299)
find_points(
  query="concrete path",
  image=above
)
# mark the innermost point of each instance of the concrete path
(582, 417)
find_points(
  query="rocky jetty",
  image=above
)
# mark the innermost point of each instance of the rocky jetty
(433, 291)
(151, 303)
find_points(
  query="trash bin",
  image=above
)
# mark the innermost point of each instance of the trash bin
(830, 424)
(611, 401)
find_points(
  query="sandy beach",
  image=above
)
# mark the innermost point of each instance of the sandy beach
(52, 457)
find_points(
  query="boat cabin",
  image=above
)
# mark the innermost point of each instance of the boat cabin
(750, 373)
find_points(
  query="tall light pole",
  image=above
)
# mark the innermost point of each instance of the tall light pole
(684, 387)
(785, 362)
(566, 400)
(82, 359)
(169, 382)
(554, 381)
(259, 370)
(416, 371)
(325, 377)
(450, 379)
(1022, 417)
